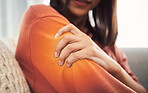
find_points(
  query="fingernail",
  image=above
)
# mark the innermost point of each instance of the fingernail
(60, 63)
(56, 35)
(68, 65)
(56, 54)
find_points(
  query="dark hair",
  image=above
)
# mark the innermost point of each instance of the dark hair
(105, 18)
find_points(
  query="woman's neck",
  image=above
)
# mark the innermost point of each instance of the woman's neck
(78, 21)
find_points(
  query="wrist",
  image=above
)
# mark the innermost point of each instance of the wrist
(110, 65)
(116, 70)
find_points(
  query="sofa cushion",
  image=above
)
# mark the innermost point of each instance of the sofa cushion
(12, 79)
(10, 43)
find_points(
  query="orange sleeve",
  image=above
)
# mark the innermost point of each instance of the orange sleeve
(35, 54)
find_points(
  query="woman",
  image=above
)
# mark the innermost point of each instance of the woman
(95, 64)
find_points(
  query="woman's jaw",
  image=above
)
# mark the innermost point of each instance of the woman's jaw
(81, 7)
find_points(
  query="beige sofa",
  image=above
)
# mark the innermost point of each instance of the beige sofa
(12, 79)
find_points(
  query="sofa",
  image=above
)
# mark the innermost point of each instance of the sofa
(12, 79)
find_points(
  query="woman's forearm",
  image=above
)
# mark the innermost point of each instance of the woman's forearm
(118, 72)
(124, 77)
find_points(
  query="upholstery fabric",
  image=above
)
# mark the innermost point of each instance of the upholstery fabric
(12, 79)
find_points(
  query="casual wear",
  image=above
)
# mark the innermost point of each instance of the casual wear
(35, 54)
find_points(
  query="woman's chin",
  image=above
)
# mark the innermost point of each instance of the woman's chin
(79, 13)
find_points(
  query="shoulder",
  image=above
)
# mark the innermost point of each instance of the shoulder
(41, 11)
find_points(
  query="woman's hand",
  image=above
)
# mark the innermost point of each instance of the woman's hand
(80, 46)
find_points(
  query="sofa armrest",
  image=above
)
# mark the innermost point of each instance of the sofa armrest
(12, 79)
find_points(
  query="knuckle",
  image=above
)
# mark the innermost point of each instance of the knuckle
(66, 37)
(76, 56)
(70, 60)
(69, 47)
(88, 37)
(58, 48)
(70, 25)
(61, 58)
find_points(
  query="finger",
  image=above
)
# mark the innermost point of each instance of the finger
(64, 41)
(75, 57)
(68, 28)
(70, 48)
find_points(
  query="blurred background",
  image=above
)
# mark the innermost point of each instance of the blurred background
(132, 20)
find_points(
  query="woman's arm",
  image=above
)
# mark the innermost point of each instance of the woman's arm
(35, 54)
(80, 46)
(122, 75)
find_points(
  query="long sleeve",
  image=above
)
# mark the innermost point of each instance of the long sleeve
(35, 54)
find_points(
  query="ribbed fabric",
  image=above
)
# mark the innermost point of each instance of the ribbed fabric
(35, 53)
(12, 79)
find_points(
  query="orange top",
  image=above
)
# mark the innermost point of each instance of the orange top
(35, 54)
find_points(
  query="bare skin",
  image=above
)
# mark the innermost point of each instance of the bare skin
(80, 46)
